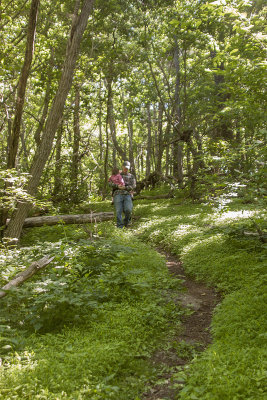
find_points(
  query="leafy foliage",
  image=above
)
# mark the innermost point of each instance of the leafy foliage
(212, 245)
(86, 326)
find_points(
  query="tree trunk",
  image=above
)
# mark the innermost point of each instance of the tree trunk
(14, 140)
(78, 27)
(58, 167)
(160, 141)
(149, 141)
(177, 147)
(222, 129)
(131, 155)
(76, 147)
(104, 193)
(111, 120)
(37, 135)
(198, 162)
(101, 146)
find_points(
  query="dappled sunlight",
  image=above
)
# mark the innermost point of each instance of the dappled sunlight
(201, 242)
(194, 216)
(185, 230)
(234, 215)
(154, 224)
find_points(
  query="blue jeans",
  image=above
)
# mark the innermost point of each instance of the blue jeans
(123, 204)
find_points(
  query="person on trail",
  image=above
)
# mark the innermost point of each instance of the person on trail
(117, 179)
(123, 201)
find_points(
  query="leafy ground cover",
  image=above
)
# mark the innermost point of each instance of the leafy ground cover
(213, 246)
(87, 325)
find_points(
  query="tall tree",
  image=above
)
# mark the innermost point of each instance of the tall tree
(177, 146)
(77, 29)
(149, 140)
(76, 146)
(14, 139)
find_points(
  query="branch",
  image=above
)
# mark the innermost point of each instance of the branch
(24, 275)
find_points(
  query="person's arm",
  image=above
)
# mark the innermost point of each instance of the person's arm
(114, 186)
(131, 185)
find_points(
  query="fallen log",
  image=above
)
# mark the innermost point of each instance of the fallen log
(159, 196)
(67, 219)
(24, 275)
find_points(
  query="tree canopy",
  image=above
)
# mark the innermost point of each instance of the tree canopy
(176, 87)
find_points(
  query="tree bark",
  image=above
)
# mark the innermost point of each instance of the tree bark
(24, 275)
(37, 135)
(76, 146)
(78, 27)
(131, 156)
(14, 140)
(223, 127)
(149, 141)
(160, 149)
(111, 120)
(177, 147)
(58, 167)
(67, 219)
(104, 192)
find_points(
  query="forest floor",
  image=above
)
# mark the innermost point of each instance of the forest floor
(195, 330)
(150, 329)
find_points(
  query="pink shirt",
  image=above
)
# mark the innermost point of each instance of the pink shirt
(117, 179)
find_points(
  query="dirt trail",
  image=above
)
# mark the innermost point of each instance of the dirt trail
(195, 330)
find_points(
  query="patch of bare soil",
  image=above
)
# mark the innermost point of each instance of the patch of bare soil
(195, 331)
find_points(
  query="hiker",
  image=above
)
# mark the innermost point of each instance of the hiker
(123, 196)
(117, 179)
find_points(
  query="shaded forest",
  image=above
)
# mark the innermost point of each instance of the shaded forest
(175, 87)
(173, 304)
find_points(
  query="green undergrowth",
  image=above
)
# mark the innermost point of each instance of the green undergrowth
(220, 246)
(85, 326)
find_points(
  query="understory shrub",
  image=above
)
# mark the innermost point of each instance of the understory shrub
(86, 326)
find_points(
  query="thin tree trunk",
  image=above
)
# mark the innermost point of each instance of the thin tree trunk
(197, 163)
(55, 114)
(104, 194)
(24, 151)
(76, 146)
(177, 147)
(149, 141)
(37, 135)
(160, 141)
(131, 150)
(14, 140)
(222, 128)
(58, 167)
(111, 120)
(14, 135)
(101, 143)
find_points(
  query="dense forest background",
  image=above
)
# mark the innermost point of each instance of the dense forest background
(178, 89)
(175, 87)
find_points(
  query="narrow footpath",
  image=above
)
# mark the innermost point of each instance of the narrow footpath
(195, 332)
